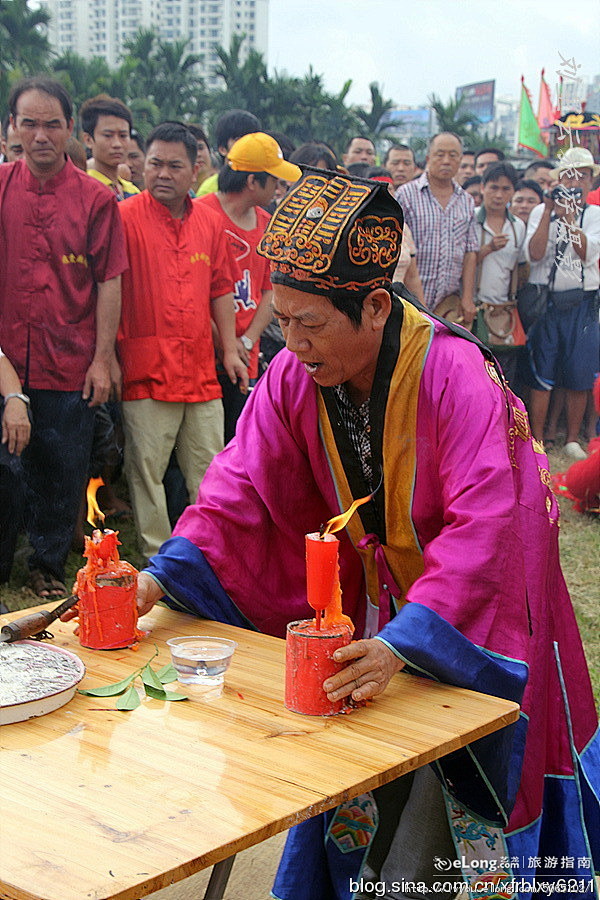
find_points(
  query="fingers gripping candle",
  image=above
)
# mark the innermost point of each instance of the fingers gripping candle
(310, 643)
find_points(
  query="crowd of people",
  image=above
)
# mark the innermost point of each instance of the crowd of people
(137, 286)
(163, 300)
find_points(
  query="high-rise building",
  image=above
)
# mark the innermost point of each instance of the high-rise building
(101, 27)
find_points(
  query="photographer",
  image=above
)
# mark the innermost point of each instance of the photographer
(563, 247)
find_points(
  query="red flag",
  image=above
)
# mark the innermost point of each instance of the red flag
(545, 115)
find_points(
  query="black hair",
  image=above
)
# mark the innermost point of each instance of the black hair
(136, 136)
(46, 86)
(439, 134)
(198, 133)
(378, 172)
(235, 124)
(232, 182)
(286, 145)
(350, 304)
(539, 164)
(398, 147)
(474, 179)
(4, 126)
(500, 170)
(530, 185)
(175, 133)
(358, 137)
(358, 170)
(467, 152)
(102, 105)
(500, 155)
(311, 153)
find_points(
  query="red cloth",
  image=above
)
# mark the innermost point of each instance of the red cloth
(582, 480)
(252, 273)
(57, 242)
(177, 267)
(594, 197)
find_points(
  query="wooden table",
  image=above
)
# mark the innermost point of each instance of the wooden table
(97, 803)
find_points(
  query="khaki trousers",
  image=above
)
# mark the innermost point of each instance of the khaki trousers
(153, 428)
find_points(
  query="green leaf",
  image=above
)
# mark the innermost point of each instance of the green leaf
(130, 700)
(110, 690)
(167, 674)
(155, 693)
(150, 678)
(163, 695)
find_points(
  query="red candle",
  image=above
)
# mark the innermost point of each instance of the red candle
(106, 587)
(321, 571)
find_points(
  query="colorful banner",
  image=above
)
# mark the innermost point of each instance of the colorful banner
(530, 136)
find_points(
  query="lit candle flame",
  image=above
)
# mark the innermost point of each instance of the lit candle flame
(94, 513)
(339, 522)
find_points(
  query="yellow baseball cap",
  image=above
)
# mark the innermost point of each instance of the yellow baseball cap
(260, 152)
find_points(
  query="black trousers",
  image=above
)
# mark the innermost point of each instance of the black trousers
(55, 468)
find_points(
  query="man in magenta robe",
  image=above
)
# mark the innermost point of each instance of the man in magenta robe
(450, 571)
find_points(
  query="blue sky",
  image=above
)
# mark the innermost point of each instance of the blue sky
(424, 46)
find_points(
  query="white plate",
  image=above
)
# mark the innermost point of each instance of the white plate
(45, 703)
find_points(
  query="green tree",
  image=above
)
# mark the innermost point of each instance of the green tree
(453, 116)
(82, 78)
(246, 83)
(23, 42)
(371, 119)
(24, 46)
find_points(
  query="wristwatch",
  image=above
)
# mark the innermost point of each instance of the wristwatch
(22, 397)
(248, 344)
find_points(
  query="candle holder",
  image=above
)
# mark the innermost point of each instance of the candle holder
(309, 662)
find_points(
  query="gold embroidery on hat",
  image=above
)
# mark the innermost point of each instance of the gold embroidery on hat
(307, 243)
(330, 282)
(374, 240)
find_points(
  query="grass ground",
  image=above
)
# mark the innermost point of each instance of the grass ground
(580, 554)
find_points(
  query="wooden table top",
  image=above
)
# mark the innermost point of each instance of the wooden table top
(98, 803)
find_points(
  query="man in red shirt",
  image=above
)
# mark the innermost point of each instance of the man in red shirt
(247, 182)
(61, 259)
(179, 282)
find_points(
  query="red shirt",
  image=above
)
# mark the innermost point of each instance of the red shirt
(177, 266)
(57, 243)
(252, 272)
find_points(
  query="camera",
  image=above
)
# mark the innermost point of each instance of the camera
(563, 193)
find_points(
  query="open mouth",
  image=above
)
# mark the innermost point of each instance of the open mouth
(312, 368)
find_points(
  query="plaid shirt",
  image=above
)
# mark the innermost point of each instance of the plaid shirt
(356, 423)
(442, 236)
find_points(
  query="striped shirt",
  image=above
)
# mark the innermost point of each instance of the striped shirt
(442, 236)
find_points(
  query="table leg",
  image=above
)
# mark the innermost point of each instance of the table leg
(219, 878)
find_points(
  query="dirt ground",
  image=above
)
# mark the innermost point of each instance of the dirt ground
(251, 877)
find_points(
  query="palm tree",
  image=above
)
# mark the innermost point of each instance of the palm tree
(178, 85)
(453, 116)
(23, 42)
(83, 78)
(373, 120)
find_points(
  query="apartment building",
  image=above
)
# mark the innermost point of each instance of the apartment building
(101, 27)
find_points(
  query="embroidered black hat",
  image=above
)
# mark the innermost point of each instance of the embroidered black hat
(334, 234)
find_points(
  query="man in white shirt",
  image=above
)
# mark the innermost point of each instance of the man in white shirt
(563, 246)
(501, 238)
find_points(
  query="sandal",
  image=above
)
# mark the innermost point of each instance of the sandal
(45, 586)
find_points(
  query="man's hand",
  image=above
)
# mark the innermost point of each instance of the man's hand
(368, 675)
(96, 387)
(468, 310)
(148, 592)
(16, 427)
(116, 378)
(498, 242)
(236, 369)
(243, 354)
